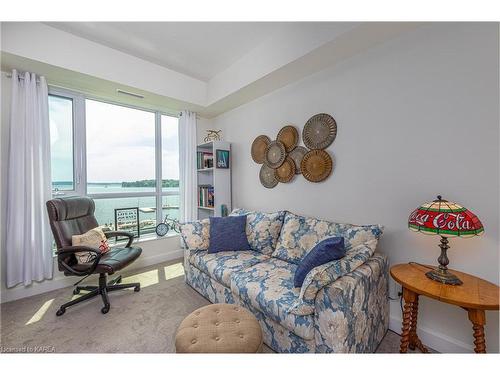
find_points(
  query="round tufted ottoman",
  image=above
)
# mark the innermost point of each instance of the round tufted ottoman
(219, 328)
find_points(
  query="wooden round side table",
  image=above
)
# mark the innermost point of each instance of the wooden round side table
(475, 295)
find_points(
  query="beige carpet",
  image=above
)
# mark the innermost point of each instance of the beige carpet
(143, 322)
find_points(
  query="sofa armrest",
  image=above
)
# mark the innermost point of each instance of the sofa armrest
(196, 234)
(326, 274)
(352, 314)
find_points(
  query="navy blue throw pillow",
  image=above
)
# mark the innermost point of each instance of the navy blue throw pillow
(228, 234)
(327, 250)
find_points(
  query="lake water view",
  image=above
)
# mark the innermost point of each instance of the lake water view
(105, 207)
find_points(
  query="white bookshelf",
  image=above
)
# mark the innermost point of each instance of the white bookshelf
(219, 178)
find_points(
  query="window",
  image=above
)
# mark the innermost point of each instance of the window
(126, 158)
(61, 143)
(120, 148)
(170, 166)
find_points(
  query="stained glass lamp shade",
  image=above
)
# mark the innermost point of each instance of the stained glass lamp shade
(446, 219)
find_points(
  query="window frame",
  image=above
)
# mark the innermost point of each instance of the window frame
(80, 152)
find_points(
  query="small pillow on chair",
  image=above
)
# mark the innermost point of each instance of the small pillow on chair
(326, 251)
(228, 234)
(93, 238)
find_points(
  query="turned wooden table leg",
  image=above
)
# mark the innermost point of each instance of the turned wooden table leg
(478, 319)
(409, 298)
(414, 340)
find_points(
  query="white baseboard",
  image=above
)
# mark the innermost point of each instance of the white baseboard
(432, 339)
(61, 281)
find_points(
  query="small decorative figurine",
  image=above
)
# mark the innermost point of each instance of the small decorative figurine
(213, 135)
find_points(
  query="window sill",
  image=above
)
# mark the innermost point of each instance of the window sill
(146, 238)
(152, 237)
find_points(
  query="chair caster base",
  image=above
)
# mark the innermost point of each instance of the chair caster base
(101, 290)
(60, 311)
(105, 309)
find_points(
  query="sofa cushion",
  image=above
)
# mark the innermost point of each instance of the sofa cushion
(300, 234)
(263, 229)
(268, 287)
(228, 234)
(196, 234)
(327, 273)
(220, 266)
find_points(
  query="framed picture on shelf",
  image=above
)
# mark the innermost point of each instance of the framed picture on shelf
(222, 159)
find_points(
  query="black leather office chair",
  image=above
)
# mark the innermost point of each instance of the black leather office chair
(75, 215)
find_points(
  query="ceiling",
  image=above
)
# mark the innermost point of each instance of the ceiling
(198, 49)
(249, 60)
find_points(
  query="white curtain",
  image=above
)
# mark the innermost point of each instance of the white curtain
(28, 241)
(187, 168)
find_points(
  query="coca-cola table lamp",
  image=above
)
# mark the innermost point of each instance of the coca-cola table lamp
(446, 219)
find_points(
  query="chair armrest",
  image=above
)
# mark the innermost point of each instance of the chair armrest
(68, 250)
(352, 313)
(121, 234)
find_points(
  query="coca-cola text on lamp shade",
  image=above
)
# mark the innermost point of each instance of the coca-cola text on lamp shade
(446, 219)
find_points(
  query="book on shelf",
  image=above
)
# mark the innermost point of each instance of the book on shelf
(204, 160)
(206, 196)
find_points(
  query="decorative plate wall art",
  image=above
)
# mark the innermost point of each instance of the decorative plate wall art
(284, 158)
(275, 154)
(289, 136)
(296, 155)
(286, 171)
(316, 165)
(319, 131)
(267, 177)
(259, 146)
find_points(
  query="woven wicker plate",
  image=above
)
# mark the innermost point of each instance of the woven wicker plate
(296, 155)
(275, 154)
(259, 146)
(267, 177)
(316, 165)
(286, 171)
(289, 136)
(319, 131)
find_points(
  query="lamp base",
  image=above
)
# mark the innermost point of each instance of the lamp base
(444, 277)
(441, 273)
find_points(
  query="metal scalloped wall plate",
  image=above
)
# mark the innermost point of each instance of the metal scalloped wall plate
(286, 171)
(316, 165)
(289, 136)
(275, 154)
(258, 150)
(319, 131)
(267, 177)
(296, 155)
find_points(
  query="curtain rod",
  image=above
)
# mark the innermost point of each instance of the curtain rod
(19, 76)
(197, 116)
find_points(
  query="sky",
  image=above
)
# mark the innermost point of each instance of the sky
(120, 142)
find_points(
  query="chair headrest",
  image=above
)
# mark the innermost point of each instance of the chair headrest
(68, 208)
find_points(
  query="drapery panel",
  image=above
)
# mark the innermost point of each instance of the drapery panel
(28, 240)
(187, 167)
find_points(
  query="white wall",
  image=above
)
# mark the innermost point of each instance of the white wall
(154, 251)
(417, 116)
(202, 125)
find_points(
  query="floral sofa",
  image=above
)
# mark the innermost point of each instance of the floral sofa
(342, 306)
